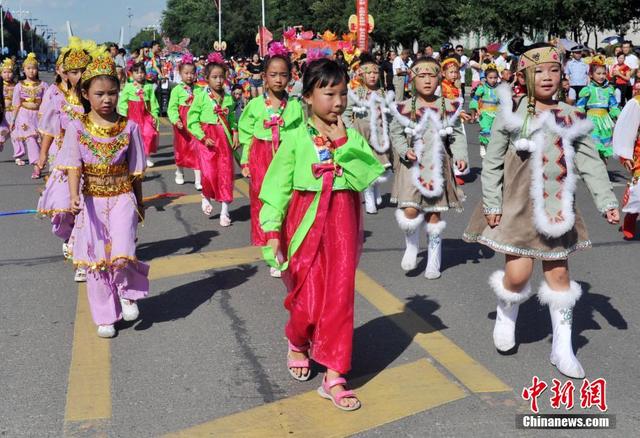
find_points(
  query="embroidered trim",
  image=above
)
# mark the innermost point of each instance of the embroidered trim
(103, 151)
(526, 252)
(492, 210)
(104, 264)
(374, 104)
(100, 131)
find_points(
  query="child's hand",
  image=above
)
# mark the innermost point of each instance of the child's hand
(179, 124)
(245, 172)
(209, 143)
(411, 155)
(493, 219)
(275, 246)
(461, 165)
(628, 164)
(613, 216)
(337, 131)
(236, 140)
(75, 205)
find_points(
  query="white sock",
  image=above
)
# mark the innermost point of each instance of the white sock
(434, 231)
(370, 200)
(225, 209)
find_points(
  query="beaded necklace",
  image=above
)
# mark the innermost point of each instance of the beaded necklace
(324, 147)
(269, 104)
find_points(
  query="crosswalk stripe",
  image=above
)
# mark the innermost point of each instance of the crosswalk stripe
(392, 394)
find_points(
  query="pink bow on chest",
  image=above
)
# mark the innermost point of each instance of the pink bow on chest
(275, 123)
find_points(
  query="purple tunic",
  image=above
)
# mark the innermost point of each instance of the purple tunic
(27, 98)
(57, 112)
(7, 88)
(105, 231)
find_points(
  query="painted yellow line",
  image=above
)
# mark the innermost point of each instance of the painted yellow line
(243, 187)
(166, 134)
(391, 395)
(472, 374)
(161, 168)
(89, 387)
(173, 266)
(164, 121)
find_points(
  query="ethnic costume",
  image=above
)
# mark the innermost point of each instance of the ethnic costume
(429, 185)
(184, 144)
(27, 97)
(211, 119)
(311, 202)
(368, 112)
(529, 177)
(600, 104)
(485, 101)
(59, 108)
(7, 117)
(140, 104)
(260, 129)
(626, 145)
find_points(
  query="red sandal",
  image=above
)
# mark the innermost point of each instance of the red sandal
(302, 363)
(325, 392)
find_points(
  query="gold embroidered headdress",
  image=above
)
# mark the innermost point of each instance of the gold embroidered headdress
(7, 64)
(100, 65)
(539, 55)
(79, 53)
(30, 60)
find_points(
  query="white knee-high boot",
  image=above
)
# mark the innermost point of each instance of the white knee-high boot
(370, 200)
(411, 237)
(434, 233)
(561, 305)
(504, 332)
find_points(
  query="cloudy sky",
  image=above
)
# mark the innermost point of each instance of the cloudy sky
(99, 20)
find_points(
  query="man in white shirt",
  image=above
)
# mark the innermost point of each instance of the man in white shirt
(502, 62)
(633, 63)
(464, 63)
(400, 73)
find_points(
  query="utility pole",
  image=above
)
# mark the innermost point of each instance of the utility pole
(22, 14)
(2, 26)
(130, 15)
(33, 29)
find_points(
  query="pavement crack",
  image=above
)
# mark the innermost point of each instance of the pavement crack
(268, 390)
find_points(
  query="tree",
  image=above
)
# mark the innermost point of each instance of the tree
(141, 37)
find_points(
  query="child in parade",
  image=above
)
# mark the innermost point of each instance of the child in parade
(528, 209)
(368, 113)
(428, 136)
(626, 145)
(184, 144)
(312, 214)
(138, 102)
(211, 120)
(8, 85)
(104, 150)
(262, 124)
(598, 100)
(484, 106)
(27, 98)
(57, 113)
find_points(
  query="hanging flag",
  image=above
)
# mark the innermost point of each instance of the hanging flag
(27, 27)
(217, 3)
(9, 17)
(263, 40)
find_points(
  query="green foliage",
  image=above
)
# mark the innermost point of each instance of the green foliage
(141, 37)
(397, 21)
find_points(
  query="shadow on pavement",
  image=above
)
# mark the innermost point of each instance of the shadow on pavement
(381, 341)
(193, 242)
(181, 301)
(454, 252)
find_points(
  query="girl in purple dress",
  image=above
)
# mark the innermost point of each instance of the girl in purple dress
(7, 91)
(27, 97)
(106, 151)
(57, 112)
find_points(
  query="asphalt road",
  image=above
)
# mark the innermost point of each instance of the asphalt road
(207, 356)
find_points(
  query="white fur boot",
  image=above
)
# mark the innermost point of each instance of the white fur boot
(411, 237)
(561, 305)
(504, 332)
(370, 200)
(434, 233)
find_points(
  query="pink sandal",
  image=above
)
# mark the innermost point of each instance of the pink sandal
(302, 363)
(20, 162)
(325, 392)
(36, 173)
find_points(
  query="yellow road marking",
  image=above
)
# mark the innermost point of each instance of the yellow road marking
(165, 122)
(89, 387)
(393, 394)
(161, 168)
(173, 266)
(471, 373)
(243, 187)
(166, 134)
